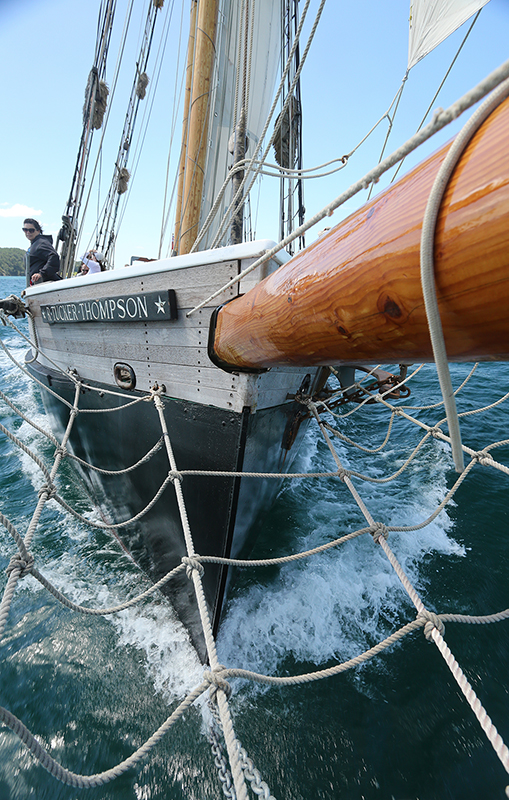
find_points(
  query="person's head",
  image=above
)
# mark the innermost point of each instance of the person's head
(31, 229)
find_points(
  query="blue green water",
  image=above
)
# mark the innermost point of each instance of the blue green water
(93, 690)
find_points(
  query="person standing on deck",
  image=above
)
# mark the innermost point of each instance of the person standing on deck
(42, 260)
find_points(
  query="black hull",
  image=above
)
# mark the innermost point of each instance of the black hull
(220, 509)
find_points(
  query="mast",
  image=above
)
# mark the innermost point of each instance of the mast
(195, 150)
(185, 120)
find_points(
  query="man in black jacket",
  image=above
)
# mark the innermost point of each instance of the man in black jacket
(42, 260)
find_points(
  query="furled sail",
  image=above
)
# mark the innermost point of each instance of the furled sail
(432, 21)
(264, 57)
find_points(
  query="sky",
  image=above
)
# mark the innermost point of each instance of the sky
(354, 68)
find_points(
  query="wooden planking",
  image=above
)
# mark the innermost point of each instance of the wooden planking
(209, 385)
(99, 368)
(205, 384)
(85, 336)
(192, 284)
(169, 352)
(355, 294)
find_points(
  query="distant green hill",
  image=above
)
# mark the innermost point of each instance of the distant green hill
(12, 261)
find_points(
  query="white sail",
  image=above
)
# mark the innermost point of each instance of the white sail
(432, 21)
(265, 58)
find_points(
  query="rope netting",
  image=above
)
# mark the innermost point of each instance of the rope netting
(235, 769)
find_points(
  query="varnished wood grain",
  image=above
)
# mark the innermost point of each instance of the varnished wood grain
(355, 294)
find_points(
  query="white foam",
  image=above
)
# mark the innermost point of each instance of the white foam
(171, 663)
(337, 604)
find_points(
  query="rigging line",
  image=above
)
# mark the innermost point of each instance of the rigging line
(440, 119)
(291, 173)
(250, 57)
(127, 22)
(288, 65)
(427, 262)
(288, 173)
(241, 188)
(375, 126)
(105, 122)
(147, 112)
(389, 129)
(244, 52)
(96, 75)
(117, 200)
(108, 223)
(283, 112)
(441, 85)
(238, 38)
(177, 94)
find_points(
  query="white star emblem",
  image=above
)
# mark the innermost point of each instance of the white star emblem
(160, 304)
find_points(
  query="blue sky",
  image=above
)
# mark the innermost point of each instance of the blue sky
(354, 69)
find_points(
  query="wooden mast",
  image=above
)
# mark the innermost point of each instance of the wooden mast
(185, 121)
(354, 296)
(194, 154)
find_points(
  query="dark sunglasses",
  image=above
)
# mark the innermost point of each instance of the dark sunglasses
(28, 230)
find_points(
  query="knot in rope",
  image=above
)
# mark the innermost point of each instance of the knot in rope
(60, 451)
(217, 681)
(433, 621)
(378, 529)
(174, 475)
(435, 431)
(48, 489)
(23, 564)
(192, 564)
(342, 473)
(12, 305)
(484, 458)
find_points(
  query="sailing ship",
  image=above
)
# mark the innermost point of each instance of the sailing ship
(230, 333)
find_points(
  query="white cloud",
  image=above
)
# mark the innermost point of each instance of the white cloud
(17, 210)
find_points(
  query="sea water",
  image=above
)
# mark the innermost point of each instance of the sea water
(94, 689)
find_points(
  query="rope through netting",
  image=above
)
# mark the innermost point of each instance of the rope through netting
(194, 563)
(217, 678)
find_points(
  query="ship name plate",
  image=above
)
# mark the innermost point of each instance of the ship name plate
(121, 308)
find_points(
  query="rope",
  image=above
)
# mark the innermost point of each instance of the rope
(242, 187)
(427, 260)
(224, 712)
(217, 679)
(440, 119)
(235, 768)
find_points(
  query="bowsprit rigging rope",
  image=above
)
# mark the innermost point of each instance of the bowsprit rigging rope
(235, 769)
